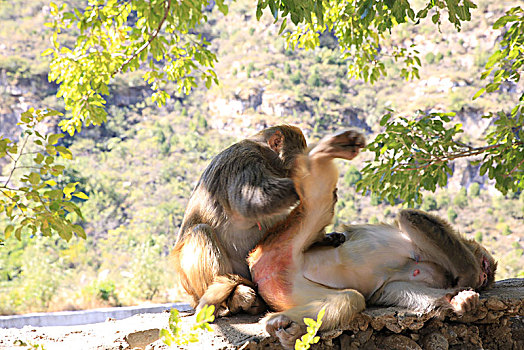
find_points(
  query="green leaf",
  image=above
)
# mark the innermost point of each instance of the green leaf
(8, 231)
(79, 230)
(47, 52)
(385, 119)
(53, 138)
(18, 233)
(50, 182)
(39, 158)
(81, 195)
(65, 233)
(64, 152)
(33, 178)
(480, 92)
(282, 26)
(501, 22)
(69, 189)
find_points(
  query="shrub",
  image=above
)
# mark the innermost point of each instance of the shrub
(430, 57)
(287, 68)
(504, 229)
(429, 203)
(314, 80)
(352, 176)
(478, 237)
(146, 280)
(474, 189)
(461, 199)
(250, 69)
(452, 215)
(442, 199)
(296, 78)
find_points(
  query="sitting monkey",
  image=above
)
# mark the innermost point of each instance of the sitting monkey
(421, 263)
(244, 190)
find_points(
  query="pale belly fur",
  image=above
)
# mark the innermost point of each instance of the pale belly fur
(364, 262)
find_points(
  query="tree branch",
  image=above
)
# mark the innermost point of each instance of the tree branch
(451, 156)
(146, 44)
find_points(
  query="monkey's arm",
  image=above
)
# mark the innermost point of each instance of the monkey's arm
(438, 242)
(421, 298)
(256, 193)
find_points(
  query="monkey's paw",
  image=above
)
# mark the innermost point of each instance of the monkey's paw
(245, 298)
(465, 301)
(286, 330)
(345, 145)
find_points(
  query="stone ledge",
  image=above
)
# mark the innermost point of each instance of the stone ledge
(497, 324)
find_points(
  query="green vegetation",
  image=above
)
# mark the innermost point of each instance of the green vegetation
(474, 189)
(452, 215)
(461, 199)
(31, 198)
(176, 336)
(310, 337)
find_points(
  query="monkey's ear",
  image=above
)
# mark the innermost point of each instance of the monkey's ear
(276, 141)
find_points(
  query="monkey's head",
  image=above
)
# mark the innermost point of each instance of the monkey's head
(488, 265)
(285, 140)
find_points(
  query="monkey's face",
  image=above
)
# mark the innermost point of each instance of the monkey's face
(488, 267)
(487, 263)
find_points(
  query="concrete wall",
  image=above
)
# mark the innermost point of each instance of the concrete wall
(71, 318)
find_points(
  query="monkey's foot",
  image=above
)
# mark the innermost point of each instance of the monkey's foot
(286, 330)
(345, 145)
(244, 298)
(465, 301)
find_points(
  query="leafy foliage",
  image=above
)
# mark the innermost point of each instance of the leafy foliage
(310, 337)
(505, 63)
(176, 336)
(410, 155)
(117, 36)
(38, 205)
(160, 33)
(414, 153)
(361, 27)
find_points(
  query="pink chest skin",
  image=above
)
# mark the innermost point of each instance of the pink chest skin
(270, 273)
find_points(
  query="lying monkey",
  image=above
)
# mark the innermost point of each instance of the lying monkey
(421, 263)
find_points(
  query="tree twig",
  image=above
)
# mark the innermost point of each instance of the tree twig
(15, 162)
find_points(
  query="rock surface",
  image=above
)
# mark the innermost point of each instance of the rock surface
(497, 324)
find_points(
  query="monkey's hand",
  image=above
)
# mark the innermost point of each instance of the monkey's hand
(286, 330)
(465, 301)
(333, 239)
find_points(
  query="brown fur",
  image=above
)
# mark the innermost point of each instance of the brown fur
(244, 190)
